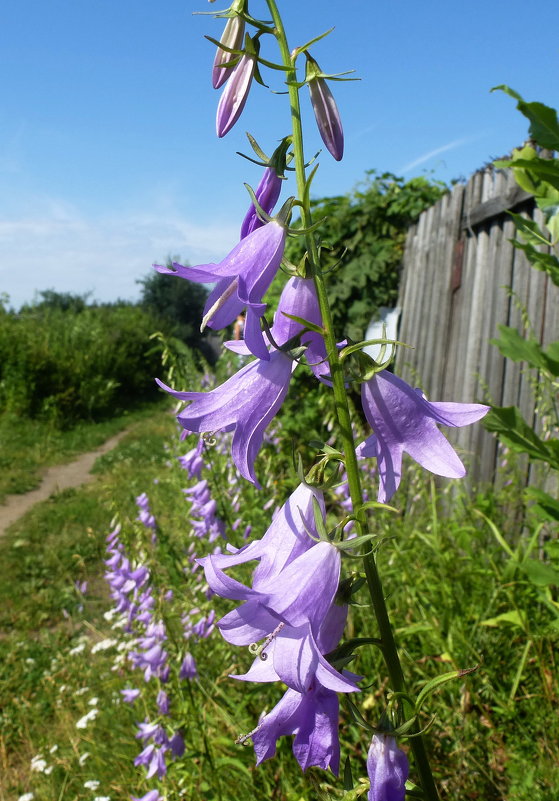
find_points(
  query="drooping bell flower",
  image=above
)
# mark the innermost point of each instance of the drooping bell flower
(387, 766)
(312, 717)
(246, 403)
(311, 713)
(325, 110)
(242, 279)
(403, 420)
(234, 97)
(232, 37)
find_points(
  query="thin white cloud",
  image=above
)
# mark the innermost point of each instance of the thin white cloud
(465, 140)
(57, 247)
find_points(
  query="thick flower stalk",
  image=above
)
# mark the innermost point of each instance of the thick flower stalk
(405, 421)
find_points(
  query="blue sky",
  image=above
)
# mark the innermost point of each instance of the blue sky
(108, 154)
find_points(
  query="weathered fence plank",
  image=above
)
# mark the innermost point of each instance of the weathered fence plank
(461, 279)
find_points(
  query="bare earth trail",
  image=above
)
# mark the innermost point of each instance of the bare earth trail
(56, 478)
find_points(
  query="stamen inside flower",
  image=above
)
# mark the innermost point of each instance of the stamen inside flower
(259, 650)
(219, 302)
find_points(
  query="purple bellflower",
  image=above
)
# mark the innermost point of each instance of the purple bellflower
(291, 597)
(151, 795)
(325, 110)
(267, 194)
(405, 421)
(312, 715)
(232, 36)
(234, 96)
(387, 766)
(242, 279)
(245, 403)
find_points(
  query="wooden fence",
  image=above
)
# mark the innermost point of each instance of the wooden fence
(459, 270)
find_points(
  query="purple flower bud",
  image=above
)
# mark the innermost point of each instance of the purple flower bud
(387, 766)
(188, 668)
(129, 696)
(176, 744)
(151, 795)
(325, 110)
(234, 96)
(232, 37)
(267, 193)
(163, 702)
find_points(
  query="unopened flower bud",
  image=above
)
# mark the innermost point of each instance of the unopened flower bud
(387, 766)
(325, 110)
(235, 94)
(232, 37)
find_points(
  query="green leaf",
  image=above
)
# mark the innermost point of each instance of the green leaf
(530, 230)
(512, 617)
(348, 777)
(546, 506)
(540, 574)
(514, 431)
(544, 126)
(513, 346)
(437, 682)
(545, 262)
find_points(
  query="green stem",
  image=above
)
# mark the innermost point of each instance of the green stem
(389, 648)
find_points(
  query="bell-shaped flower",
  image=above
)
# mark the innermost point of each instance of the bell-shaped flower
(232, 37)
(287, 612)
(242, 279)
(387, 766)
(325, 110)
(403, 420)
(312, 717)
(246, 403)
(311, 714)
(285, 539)
(234, 97)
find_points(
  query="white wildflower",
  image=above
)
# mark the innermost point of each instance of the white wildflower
(38, 763)
(53, 749)
(93, 701)
(26, 797)
(82, 722)
(77, 649)
(102, 798)
(103, 645)
(109, 615)
(82, 691)
(83, 757)
(91, 785)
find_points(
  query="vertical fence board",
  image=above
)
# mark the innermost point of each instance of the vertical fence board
(462, 278)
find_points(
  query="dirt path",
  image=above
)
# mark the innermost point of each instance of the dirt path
(59, 477)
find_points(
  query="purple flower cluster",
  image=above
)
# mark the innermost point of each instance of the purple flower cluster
(153, 755)
(248, 401)
(203, 510)
(145, 517)
(290, 607)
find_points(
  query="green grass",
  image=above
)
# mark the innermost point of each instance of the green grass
(28, 446)
(494, 733)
